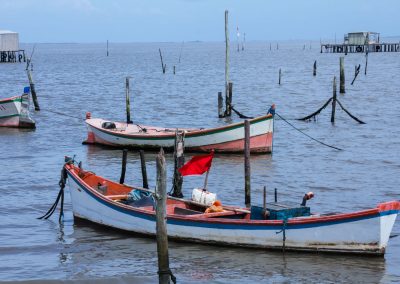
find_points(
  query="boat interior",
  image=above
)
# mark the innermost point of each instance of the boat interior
(143, 199)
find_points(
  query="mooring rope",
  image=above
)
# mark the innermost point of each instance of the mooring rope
(169, 272)
(317, 112)
(64, 114)
(352, 116)
(330, 146)
(240, 114)
(60, 196)
(283, 235)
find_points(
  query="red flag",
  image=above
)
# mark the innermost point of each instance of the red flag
(198, 165)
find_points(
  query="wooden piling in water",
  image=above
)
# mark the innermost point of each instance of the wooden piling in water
(107, 47)
(333, 100)
(342, 77)
(315, 68)
(33, 90)
(247, 173)
(228, 100)
(163, 66)
(161, 224)
(144, 170)
(179, 161)
(366, 63)
(220, 105)
(276, 195)
(280, 75)
(123, 168)
(226, 61)
(265, 198)
(127, 99)
(174, 69)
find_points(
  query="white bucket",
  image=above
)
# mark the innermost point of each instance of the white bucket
(203, 196)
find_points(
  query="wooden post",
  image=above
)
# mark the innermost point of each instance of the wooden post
(247, 163)
(226, 61)
(265, 198)
(144, 170)
(220, 105)
(179, 161)
(315, 68)
(342, 78)
(174, 69)
(123, 169)
(107, 47)
(33, 91)
(276, 195)
(161, 225)
(228, 100)
(163, 66)
(333, 100)
(280, 75)
(127, 99)
(366, 63)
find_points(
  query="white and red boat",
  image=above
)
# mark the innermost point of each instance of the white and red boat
(14, 111)
(102, 201)
(227, 139)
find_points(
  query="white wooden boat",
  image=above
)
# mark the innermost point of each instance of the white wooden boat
(360, 232)
(14, 111)
(225, 139)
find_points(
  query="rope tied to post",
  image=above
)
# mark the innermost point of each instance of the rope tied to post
(169, 272)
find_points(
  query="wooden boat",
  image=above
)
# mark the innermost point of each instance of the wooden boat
(14, 111)
(228, 139)
(362, 232)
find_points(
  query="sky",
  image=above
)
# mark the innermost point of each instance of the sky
(190, 20)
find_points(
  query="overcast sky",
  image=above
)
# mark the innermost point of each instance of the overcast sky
(188, 20)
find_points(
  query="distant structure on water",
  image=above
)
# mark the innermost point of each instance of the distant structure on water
(359, 42)
(9, 48)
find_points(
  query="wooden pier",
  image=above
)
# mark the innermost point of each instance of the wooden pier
(356, 48)
(12, 56)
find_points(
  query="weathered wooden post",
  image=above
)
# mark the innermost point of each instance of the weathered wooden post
(32, 87)
(123, 169)
(174, 69)
(342, 78)
(276, 195)
(366, 62)
(179, 161)
(226, 62)
(220, 105)
(127, 99)
(333, 100)
(315, 68)
(161, 225)
(107, 47)
(228, 102)
(280, 75)
(265, 199)
(163, 66)
(247, 163)
(144, 170)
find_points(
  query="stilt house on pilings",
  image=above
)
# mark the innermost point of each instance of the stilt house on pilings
(360, 42)
(9, 48)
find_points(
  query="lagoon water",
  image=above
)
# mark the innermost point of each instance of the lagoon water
(75, 78)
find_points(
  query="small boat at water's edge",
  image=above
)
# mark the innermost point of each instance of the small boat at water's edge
(362, 232)
(225, 139)
(14, 111)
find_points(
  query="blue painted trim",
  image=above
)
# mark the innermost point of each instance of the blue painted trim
(242, 226)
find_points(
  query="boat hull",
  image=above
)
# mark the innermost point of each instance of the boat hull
(227, 139)
(363, 232)
(14, 112)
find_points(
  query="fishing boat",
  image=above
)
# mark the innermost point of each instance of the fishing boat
(14, 111)
(275, 226)
(224, 139)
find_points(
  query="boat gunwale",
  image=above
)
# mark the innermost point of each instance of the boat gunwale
(10, 100)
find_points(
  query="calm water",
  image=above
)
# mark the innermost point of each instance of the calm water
(76, 78)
